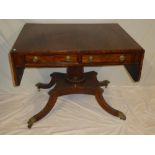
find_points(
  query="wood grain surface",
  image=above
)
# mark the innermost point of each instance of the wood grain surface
(74, 37)
(67, 45)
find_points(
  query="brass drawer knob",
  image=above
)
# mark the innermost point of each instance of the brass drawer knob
(90, 59)
(122, 58)
(35, 59)
(68, 58)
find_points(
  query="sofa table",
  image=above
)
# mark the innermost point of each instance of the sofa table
(74, 46)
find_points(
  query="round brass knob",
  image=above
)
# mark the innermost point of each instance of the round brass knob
(35, 59)
(122, 58)
(68, 58)
(90, 58)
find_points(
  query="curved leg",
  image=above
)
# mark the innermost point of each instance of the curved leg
(90, 86)
(44, 85)
(50, 104)
(107, 107)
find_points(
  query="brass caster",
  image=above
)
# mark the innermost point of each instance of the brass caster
(104, 83)
(38, 86)
(121, 116)
(30, 122)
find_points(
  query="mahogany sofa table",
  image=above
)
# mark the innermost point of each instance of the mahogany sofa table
(74, 46)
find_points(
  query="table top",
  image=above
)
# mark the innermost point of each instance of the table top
(74, 37)
(66, 45)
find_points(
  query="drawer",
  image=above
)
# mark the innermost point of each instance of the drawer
(48, 59)
(109, 59)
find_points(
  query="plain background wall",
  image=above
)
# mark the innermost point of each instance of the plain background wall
(143, 31)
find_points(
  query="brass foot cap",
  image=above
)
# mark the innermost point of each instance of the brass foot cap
(30, 122)
(121, 116)
(38, 86)
(104, 83)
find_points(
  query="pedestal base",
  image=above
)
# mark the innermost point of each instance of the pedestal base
(62, 86)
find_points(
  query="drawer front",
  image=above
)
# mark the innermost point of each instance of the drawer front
(109, 59)
(54, 59)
